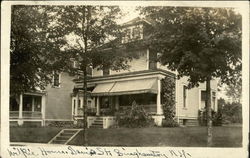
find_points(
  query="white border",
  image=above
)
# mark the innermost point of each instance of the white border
(196, 152)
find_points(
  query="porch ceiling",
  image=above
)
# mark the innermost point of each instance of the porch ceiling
(148, 85)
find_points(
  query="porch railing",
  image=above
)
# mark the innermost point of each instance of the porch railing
(26, 114)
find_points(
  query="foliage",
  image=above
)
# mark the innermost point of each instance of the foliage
(135, 117)
(44, 39)
(35, 49)
(201, 43)
(216, 117)
(169, 123)
(168, 102)
(232, 112)
(63, 124)
(234, 91)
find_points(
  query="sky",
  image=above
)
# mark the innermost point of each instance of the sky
(130, 13)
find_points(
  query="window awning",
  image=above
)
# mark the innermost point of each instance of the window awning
(102, 89)
(126, 87)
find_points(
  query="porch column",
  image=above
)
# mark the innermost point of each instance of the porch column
(97, 106)
(158, 102)
(20, 117)
(43, 104)
(33, 104)
(117, 102)
(76, 107)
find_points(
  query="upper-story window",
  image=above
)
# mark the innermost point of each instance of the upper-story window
(132, 33)
(56, 80)
(136, 33)
(105, 70)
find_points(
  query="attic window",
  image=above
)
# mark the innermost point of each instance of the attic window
(136, 34)
(127, 35)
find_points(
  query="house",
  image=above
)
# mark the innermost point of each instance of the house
(116, 90)
(44, 106)
(110, 91)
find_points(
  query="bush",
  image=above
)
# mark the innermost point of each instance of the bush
(216, 118)
(232, 112)
(65, 124)
(134, 117)
(169, 123)
(168, 99)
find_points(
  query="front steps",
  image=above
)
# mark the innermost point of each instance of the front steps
(64, 136)
(98, 123)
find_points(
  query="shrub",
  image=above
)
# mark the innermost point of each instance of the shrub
(134, 117)
(168, 102)
(216, 118)
(169, 123)
(65, 124)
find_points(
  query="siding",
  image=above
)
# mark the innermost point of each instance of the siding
(58, 100)
(193, 98)
(135, 65)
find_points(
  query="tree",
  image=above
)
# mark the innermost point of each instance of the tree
(95, 35)
(201, 43)
(44, 38)
(35, 49)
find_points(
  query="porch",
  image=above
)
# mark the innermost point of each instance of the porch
(27, 108)
(106, 99)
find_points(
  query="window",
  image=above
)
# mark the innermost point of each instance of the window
(136, 34)
(105, 70)
(79, 103)
(184, 96)
(127, 36)
(203, 95)
(56, 80)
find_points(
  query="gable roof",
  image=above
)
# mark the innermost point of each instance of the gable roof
(136, 21)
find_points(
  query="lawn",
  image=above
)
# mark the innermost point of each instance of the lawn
(182, 136)
(156, 136)
(33, 134)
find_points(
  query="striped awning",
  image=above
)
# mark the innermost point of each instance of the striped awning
(126, 87)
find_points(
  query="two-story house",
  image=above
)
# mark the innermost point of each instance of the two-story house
(116, 90)
(110, 91)
(41, 107)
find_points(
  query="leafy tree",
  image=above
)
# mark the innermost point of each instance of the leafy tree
(35, 49)
(201, 43)
(44, 38)
(234, 91)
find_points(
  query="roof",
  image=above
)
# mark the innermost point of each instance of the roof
(138, 20)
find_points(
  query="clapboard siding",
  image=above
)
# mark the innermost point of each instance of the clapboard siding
(58, 100)
(193, 98)
(138, 64)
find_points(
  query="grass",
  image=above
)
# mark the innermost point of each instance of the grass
(176, 137)
(154, 136)
(33, 134)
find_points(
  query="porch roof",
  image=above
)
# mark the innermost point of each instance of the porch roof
(126, 87)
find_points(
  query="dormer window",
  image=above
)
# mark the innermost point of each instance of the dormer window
(127, 35)
(132, 33)
(137, 32)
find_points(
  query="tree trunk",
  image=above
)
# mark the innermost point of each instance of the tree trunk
(85, 106)
(209, 113)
